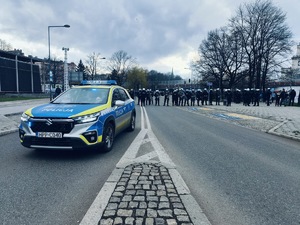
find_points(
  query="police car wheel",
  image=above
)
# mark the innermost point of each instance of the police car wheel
(108, 137)
(132, 123)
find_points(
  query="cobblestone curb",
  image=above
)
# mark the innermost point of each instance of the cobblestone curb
(145, 194)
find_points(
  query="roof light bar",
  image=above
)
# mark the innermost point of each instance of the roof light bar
(98, 82)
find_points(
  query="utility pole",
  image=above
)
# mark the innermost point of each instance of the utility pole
(66, 77)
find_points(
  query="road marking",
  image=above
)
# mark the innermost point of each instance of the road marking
(243, 116)
(205, 109)
(157, 154)
(225, 116)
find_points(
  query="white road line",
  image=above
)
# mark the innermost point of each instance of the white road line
(94, 213)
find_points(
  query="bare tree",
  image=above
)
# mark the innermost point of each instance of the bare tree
(120, 63)
(93, 65)
(5, 46)
(265, 38)
(221, 58)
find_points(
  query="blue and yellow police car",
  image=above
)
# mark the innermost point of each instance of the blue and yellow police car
(87, 115)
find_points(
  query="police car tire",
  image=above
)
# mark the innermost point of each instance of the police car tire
(132, 123)
(108, 137)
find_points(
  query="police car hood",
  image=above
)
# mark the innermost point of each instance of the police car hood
(63, 110)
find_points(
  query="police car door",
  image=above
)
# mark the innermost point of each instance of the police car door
(120, 111)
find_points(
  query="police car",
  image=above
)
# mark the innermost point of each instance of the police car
(88, 115)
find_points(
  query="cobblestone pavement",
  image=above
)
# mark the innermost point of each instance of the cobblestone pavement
(145, 194)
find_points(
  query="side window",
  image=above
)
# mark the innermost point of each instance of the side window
(123, 95)
(116, 96)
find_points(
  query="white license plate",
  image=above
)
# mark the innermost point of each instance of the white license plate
(49, 134)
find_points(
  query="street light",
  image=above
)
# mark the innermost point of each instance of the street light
(190, 79)
(49, 61)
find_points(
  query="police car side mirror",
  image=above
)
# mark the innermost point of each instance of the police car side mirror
(119, 103)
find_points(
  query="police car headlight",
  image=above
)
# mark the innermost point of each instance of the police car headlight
(87, 118)
(25, 117)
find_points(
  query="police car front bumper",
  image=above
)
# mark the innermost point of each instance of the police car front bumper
(80, 136)
(56, 143)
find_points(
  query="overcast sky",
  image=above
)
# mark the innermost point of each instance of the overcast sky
(160, 34)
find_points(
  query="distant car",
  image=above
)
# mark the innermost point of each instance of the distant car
(89, 115)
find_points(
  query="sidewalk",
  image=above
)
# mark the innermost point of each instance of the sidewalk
(145, 187)
(281, 121)
(10, 113)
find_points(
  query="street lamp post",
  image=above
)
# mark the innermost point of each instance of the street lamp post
(49, 60)
(190, 79)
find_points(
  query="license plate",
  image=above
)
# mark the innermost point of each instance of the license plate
(49, 134)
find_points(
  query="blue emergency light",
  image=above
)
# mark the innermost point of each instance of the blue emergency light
(98, 82)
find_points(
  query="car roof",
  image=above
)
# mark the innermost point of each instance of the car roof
(95, 86)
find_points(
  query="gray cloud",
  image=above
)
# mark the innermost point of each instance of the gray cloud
(150, 31)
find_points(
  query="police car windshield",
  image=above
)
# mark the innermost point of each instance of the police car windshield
(83, 96)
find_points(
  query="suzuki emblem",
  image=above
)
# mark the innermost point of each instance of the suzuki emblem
(49, 122)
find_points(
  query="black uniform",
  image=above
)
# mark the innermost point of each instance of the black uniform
(218, 96)
(143, 97)
(211, 95)
(131, 93)
(292, 96)
(229, 97)
(175, 97)
(182, 97)
(268, 96)
(256, 97)
(282, 96)
(57, 92)
(204, 97)
(156, 96)
(193, 97)
(199, 96)
(167, 96)
(188, 96)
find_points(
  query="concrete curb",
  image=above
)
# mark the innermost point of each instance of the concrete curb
(273, 132)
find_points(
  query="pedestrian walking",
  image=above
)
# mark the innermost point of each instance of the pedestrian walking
(57, 91)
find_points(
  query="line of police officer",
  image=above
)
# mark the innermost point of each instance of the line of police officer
(192, 97)
(180, 97)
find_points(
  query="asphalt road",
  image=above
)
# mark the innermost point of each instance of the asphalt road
(52, 187)
(238, 175)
